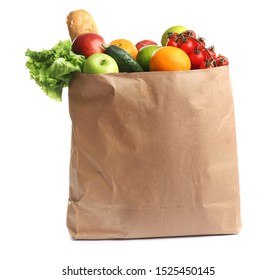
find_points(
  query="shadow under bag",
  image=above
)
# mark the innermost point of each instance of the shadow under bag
(153, 154)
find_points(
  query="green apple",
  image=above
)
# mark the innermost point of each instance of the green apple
(175, 28)
(144, 55)
(100, 63)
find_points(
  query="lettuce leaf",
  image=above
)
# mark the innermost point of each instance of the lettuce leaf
(53, 69)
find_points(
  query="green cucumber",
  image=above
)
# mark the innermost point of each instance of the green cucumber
(125, 62)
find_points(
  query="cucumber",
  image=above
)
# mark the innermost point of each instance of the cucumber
(125, 62)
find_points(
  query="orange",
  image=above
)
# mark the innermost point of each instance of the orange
(126, 45)
(169, 59)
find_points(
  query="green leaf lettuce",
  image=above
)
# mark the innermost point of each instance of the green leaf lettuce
(53, 69)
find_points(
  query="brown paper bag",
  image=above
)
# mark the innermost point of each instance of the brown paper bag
(153, 155)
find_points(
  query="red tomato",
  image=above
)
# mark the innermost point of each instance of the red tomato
(172, 43)
(187, 45)
(221, 60)
(205, 64)
(196, 57)
(211, 51)
(201, 40)
(189, 33)
(173, 35)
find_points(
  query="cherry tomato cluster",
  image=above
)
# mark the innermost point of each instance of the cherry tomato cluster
(201, 57)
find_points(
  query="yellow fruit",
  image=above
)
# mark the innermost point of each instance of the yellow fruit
(169, 59)
(126, 45)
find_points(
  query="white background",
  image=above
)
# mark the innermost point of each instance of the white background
(35, 140)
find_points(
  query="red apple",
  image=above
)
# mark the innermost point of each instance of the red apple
(87, 44)
(144, 43)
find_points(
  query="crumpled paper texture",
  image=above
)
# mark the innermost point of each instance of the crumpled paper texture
(153, 155)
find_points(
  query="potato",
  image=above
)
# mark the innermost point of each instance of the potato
(80, 22)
